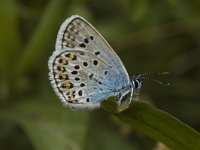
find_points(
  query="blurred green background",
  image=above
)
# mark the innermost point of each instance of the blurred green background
(149, 36)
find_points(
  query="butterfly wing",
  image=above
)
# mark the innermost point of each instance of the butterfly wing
(76, 32)
(84, 69)
(81, 82)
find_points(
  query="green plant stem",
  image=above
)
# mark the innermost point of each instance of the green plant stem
(157, 124)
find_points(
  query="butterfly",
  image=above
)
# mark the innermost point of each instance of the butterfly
(84, 70)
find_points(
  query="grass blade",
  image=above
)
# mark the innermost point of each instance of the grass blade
(157, 124)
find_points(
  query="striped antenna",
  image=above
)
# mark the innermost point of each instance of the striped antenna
(143, 76)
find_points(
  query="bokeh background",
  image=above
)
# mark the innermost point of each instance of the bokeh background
(148, 35)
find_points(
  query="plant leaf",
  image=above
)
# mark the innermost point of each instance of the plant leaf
(49, 125)
(157, 124)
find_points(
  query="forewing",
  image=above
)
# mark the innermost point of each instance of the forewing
(76, 32)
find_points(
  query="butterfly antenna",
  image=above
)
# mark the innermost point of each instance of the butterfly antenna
(153, 74)
(157, 81)
(143, 76)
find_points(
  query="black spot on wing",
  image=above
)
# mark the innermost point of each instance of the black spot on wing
(82, 45)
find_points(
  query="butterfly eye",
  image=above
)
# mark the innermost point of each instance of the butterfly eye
(136, 84)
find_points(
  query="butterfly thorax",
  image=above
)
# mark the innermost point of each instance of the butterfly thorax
(130, 92)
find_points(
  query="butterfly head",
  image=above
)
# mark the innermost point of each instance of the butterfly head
(132, 91)
(129, 93)
(137, 83)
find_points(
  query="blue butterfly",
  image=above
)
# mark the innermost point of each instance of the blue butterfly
(85, 70)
